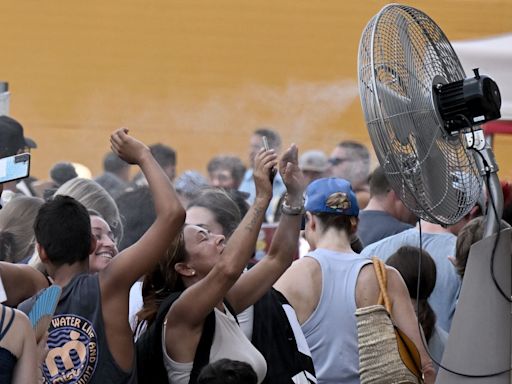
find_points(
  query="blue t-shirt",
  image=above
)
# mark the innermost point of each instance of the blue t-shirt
(377, 225)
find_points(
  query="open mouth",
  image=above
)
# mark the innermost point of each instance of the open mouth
(106, 255)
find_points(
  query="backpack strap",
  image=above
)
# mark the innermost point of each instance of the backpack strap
(202, 357)
(150, 363)
(231, 310)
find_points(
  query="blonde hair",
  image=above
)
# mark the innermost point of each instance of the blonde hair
(94, 197)
(17, 238)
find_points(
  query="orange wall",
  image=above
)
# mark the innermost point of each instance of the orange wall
(200, 75)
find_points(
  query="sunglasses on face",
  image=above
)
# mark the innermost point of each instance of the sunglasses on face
(337, 160)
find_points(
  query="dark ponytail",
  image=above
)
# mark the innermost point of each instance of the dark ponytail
(427, 318)
(405, 261)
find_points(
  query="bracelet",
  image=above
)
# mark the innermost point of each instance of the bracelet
(290, 210)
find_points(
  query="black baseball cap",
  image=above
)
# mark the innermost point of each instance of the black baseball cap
(12, 138)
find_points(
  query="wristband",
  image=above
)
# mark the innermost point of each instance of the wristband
(292, 210)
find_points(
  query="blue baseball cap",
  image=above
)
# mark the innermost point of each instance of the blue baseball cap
(331, 195)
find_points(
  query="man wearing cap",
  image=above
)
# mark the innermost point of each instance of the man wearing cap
(313, 164)
(12, 142)
(327, 285)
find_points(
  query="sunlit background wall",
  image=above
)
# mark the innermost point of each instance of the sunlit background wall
(200, 75)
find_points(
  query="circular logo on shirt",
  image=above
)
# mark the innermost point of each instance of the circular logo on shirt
(73, 353)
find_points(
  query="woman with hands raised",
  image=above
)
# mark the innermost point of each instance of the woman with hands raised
(209, 273)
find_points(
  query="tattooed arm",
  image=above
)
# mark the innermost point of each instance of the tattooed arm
(210, 276)
(253, 284)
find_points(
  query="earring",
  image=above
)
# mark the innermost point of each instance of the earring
(193, 273)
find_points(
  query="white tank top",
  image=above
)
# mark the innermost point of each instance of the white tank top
(229, 342)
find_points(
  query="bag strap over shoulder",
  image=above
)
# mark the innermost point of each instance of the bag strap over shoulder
(406, 348)
(382, 278)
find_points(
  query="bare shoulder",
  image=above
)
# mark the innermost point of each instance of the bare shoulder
(396, 283)
(306, 268)
(301, 284)
(20, 330)
(29, 274)
(22, 321)
(367, 286)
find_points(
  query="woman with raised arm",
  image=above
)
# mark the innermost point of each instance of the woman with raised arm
(199, 327)
(90, 339)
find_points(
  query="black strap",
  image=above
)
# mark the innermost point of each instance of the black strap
(231, 310)
(202, 357)
(150, 367)
(150, 364)
(6, 329)
(3, 318)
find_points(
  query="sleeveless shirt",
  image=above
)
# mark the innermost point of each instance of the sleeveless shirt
(78, 348)
(229, 342)
(331, 330)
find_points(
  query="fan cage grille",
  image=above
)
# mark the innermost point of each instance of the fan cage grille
(401, 54)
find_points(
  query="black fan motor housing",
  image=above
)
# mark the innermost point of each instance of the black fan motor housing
(468, 102)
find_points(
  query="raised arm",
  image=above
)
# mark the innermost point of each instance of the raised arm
(190, 310)
(20, 282)
(133, 262)
(253, 284)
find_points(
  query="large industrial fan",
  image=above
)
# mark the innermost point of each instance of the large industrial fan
(423, 116)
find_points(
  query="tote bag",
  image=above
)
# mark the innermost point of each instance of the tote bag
(386, 354)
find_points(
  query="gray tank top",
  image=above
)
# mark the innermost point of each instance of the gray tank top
(78, 349)
(331, 330)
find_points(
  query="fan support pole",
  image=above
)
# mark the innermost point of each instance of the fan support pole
(480, 336)
(479, 341)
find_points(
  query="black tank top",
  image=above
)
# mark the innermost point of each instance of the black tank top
(7, 359)
(78, 350)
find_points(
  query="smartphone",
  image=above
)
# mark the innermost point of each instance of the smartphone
(265, 143)
(273, 171)
(14, 167)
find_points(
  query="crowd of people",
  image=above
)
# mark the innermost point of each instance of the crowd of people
(170, 278)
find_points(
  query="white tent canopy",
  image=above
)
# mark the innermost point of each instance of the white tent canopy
(494, 58)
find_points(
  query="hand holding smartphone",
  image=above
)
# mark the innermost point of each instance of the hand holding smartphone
(14, 167)
(273, 171)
